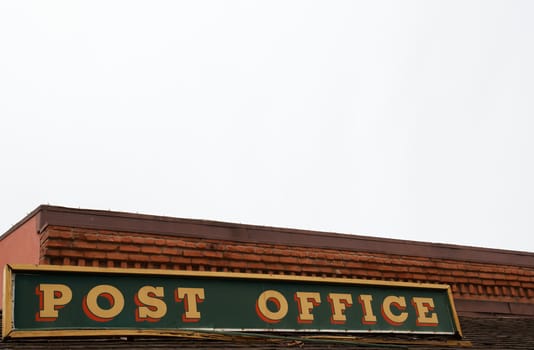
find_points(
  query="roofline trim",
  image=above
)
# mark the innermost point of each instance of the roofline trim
(193, 228)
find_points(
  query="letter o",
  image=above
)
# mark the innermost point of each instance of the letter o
(265, 313)
(94, 311)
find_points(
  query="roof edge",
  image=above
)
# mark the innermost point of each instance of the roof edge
(207, 229)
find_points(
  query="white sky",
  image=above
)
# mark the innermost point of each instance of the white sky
(401, 119)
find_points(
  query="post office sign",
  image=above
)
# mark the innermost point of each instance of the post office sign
(51, 300)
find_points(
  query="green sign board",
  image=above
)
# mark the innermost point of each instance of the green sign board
(55, 301)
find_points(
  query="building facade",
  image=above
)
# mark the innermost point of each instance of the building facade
(493, 289)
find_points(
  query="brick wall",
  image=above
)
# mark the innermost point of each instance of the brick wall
(469, 280)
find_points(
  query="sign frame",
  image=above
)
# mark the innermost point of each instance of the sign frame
(9, 329)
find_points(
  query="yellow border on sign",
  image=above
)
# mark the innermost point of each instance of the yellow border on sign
(7, 303)
(454, 313)
(7, 318)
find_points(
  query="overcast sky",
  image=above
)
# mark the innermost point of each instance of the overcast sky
(402, 119)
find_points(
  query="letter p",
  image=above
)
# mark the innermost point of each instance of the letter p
(51, 298)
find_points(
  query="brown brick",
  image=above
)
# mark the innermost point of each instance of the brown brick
(269, 258)
(447, 266)
(192, 253)
(116, 256)
(159, 241)
(93, 237)
(256, 266)
(203, 261)
(403, 276)
(83, 244)
(138, 257)
(471, 273)
(150, 249)
(237, 264)
(212, 254)
(300, 253)
(108, 238)
(343, 273)
(239, 248)
(463, 288)
(333, 263)
(457, 272)
(283, 252)
(60, 234)
(354, 265)
(400, 269)
(60, 228)
(440, 272)
(142, 240)
(106, 246)
(93, 255)
(310, 268)
(288, 260)
(188, 244)
(176, 259)
(524, 278)
(515, 271)
(418, 263)
(472, 290)
(53, 252)
(500, 276)
(488, 282)
(171, 250)
(159, 258)
(415, 269)
(389, 274)
(172, 243)
(513, 291)
(419, 277)
(129, 248)
(202, 245)
(377, 260)
(241, 256)
(261, 250)
(293, 268)
(71, 252)
(458, 280)
(308, 261)
(126, 239)
(58, 243)
(485, 275)
(372, 273)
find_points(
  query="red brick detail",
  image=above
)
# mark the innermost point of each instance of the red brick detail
(476, 281)
(150, 249)
(129, 248)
